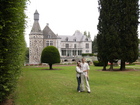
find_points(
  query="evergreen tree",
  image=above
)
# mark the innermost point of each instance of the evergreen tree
(129, 12)
(107, 38)
(50, 55)
(117, 37)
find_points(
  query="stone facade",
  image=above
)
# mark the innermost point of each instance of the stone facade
(69, 47)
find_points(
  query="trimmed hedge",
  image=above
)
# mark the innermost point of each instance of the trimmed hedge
(87, 54)
(12, 44)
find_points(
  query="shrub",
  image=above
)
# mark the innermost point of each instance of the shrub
(87, 54)
(98, 63)
(50, 55)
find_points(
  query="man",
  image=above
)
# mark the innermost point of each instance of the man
(84, 76)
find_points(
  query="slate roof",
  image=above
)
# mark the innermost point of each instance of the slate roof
(48, 33)
(77, 36)
(36, 27)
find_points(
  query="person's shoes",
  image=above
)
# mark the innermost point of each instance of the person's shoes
(88, 91)
(82, 90)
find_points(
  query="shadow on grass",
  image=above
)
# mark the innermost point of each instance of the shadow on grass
(118, 70)
(51, 69)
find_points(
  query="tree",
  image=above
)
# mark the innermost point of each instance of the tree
(94, 45)
(128, 25)
(107, 38)
(117, 37)
(85, 33)
(50, 55)
(89, 36)
(12, 44)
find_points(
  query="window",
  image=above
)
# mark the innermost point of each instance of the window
(67, 45)
(63, 52)
(86, 39)
(49, 43)
(79, 52)
(87, 45)
(87, 51)
(49, 36)
(74, 52)
(74, 45)
(68, 52)
(66, 38)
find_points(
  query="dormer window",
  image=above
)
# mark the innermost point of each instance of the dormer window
(66, 38)
(74, 39)
(49, 36)
(86, 39)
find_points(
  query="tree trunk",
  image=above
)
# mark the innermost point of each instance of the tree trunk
(111, 66)
(104, 66)
(122, 65)
(50, 65)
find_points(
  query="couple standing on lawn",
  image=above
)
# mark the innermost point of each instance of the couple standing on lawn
(82, 76)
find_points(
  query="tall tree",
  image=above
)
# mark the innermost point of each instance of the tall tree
(107, 38)
(118, 22)
(12, 44)
(128, 25)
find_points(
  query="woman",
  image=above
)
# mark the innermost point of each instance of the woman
(78, 75)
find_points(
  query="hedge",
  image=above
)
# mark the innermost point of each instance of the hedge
(87, 54)
(12, 44)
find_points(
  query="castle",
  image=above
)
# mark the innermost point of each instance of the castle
(68, 46)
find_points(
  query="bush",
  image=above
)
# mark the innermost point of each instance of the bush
(98, 63)
(50, 55)
(87, 54)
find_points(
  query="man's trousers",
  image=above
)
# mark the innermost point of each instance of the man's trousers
(84, 81)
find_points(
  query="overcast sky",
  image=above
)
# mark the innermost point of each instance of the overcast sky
(64, 16)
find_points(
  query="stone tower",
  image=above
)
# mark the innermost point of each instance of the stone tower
(36, 41)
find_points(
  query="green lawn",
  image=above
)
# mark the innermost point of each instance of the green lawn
(37, 86)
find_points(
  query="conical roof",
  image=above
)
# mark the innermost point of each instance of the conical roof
(36, 27)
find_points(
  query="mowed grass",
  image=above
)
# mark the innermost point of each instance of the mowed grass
(37, 86)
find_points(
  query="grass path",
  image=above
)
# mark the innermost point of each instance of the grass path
(37, 86)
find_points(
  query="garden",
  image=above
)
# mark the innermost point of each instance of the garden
(39, 86)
